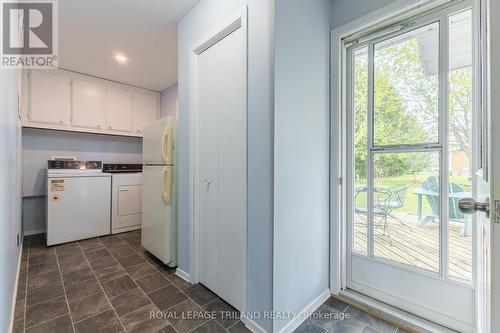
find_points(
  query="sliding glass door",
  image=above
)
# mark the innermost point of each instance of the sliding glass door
(412, 155)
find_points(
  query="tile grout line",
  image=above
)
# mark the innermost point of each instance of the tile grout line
(46, 321)
(166, 277)
(155, 267)
(26, 296)
(139, 287)
(100, 285)
(127, 273)
(64, 290)
(315, 324)
(157, 271)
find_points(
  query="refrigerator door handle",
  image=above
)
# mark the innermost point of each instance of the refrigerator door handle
(166, 185)
(166, 149)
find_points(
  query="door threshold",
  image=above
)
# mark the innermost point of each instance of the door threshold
(390, 313)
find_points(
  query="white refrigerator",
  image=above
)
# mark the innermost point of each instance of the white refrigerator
(159, 183)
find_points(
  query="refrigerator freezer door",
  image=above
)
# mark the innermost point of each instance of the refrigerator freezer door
(158, 142)
(157, 218)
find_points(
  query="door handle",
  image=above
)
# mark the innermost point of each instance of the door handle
(207, 184)
(471, 206)
(166, 186)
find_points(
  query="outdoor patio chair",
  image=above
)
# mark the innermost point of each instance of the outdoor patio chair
(385, 202)
(431, 184)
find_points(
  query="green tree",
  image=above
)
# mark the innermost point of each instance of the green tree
(393, 123)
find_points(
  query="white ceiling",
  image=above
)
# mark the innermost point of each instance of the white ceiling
(91, 32)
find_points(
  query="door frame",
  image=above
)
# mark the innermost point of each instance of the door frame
(396, 11)
(237, 21)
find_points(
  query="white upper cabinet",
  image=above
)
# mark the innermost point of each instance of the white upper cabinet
(119, 109)
(49, 99)
(64, 100)
(145, 110)
(87, 105)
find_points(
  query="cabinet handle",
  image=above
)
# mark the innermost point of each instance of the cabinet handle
(61, 122)
(123, 190)
(109, 127)
(99, 126)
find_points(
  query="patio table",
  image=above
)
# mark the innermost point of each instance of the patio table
(420, 192)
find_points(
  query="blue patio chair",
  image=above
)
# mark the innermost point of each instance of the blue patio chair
(431, 184)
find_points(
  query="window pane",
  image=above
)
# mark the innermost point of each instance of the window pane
(460, 144)
(406, 208)
(406, 88)
(360, 103)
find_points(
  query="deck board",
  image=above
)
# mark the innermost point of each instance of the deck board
(419, 246)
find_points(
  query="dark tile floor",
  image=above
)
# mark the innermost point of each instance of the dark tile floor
(337, 316)
(111, 284)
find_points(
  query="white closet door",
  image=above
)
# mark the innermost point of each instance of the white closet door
(222, 152)
(208, 168)
(232, 169)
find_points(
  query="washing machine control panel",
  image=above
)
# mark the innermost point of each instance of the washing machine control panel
(75, 165)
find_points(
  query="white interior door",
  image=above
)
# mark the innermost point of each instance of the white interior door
(413, 154)
(221, 165)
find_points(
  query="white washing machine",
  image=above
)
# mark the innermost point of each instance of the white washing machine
(78, 201)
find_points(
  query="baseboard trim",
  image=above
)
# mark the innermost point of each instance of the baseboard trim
(34, 232)
(183, 275)
(16, 285)
(302, 316)
(252, 325)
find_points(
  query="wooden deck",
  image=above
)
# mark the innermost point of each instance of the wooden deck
(418, 246)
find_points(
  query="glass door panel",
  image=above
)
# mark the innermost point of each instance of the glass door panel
(405, 186)
(360, 105)
(406, 88)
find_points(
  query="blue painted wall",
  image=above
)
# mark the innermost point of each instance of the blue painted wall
(202, 19)
(301, 154)
(168, 101)
(10, 193)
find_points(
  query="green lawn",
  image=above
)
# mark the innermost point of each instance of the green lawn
(415, 181)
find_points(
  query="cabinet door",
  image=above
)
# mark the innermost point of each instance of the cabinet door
(145, 110)
(87, 102)
(50, 98)
(119, 110)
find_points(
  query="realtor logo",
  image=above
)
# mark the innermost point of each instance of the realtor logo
(29, 34)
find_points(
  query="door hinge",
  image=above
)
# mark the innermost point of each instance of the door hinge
(339, 181)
